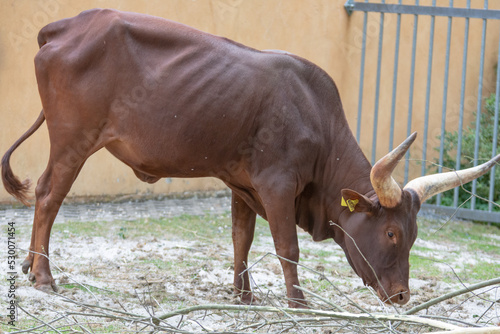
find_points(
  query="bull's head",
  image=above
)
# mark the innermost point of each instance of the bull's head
(381, 227)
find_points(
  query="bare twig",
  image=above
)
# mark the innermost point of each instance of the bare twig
(80, 317)
(340, 309)
(453, 294)
(92, 306)
(342, 321)
(487, 330)
(325, 278)
(335, 315)
(450, 319)
(69, 276)
(489, 308)
(43, 322)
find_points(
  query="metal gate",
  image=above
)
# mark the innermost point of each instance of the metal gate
(445, 85)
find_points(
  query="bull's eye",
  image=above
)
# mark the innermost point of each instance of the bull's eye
(390, 234)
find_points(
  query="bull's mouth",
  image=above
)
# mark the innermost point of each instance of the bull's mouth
(395, 295)
(401, 296)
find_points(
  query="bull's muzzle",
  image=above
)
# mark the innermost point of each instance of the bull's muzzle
(400, 296)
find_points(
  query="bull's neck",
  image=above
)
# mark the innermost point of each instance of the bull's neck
(348, 168)
(320, 202)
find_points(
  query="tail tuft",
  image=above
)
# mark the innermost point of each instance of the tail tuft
(12, 184)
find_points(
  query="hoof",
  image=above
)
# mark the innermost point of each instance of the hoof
(47, 288)
(298, 303)
(249, 299)
(26, 265)
(46, 285)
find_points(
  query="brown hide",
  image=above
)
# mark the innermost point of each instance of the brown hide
(171, 101)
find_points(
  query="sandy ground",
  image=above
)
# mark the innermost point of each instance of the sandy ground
(155, 275)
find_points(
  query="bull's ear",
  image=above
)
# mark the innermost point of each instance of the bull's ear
(356, 202)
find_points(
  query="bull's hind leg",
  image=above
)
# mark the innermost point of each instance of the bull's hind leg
(52, 188)
(243, 231)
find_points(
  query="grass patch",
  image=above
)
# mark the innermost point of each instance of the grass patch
(87, 288)
(469, 236)
(421, 249)
(317, 285)
(479, 271)
(423, 268)
(186, 227)
(466, 236)
(320, 253)
(457, 242)
(173, 266)
(451, 239)
(473, 251)
(20, 324)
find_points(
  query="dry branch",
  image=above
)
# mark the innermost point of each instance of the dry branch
(340, 309)
(311, 312)
(253, 318)
(453, 294)
(487, 330)
(292, 318)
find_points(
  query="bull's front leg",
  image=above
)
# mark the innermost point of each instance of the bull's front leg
(280, 211)
(243, 218)
(286, 244)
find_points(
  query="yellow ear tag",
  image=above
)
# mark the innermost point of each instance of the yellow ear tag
(350, 203)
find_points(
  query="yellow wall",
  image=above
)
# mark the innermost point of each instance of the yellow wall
(319, 30)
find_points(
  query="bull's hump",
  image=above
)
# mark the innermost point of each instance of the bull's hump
(88, 35)
(142, 28)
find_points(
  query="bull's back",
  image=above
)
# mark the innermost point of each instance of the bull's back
(191, 98)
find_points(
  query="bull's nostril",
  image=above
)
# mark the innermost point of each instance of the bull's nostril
(403, 297)
(400, 297)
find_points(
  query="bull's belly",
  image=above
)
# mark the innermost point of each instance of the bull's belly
(150, 163)
(149, 167)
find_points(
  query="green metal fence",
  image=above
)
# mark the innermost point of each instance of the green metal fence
(414, 12)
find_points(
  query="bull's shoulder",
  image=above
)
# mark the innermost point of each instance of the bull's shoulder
(306, 74)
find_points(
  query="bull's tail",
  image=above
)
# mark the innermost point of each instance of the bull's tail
(11, 182)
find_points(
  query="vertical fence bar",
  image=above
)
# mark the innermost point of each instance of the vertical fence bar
(412, 81)
(377, 86)
(478, 111)
(454, 11)
(395, 81)
(495, 133)
(428, 92)
(361, 78)
(462, 99)
(445, 100)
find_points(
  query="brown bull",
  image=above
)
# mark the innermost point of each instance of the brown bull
(171, 101)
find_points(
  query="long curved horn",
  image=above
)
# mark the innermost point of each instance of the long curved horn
(386, 188)
(430, 185)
